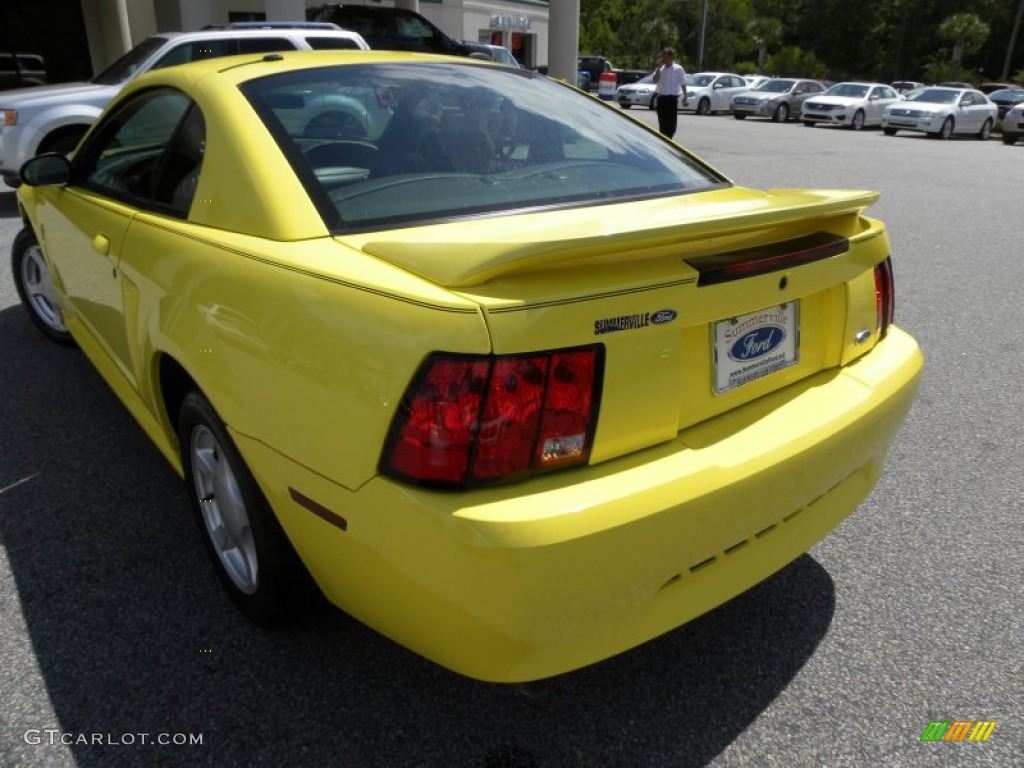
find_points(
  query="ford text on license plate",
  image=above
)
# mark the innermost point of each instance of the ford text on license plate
(751, 346)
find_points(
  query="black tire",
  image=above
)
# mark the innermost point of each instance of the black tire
(704, 107)
(889, 131)
(946, 130)
(738, 116)
(62, 140)
(624, 106)
(654, 103)
(809, 123)
(1010, 138)
(857, 123)
(781, 113)
(986, 131)
(32, 279)
(264, 577)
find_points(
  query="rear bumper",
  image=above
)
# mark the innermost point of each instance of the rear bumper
(531, 580)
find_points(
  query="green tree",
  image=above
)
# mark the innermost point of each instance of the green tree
(795, 61)
(764, 31)
(651, 25)
(966, 32)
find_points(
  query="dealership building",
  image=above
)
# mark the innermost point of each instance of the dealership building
(78, 38)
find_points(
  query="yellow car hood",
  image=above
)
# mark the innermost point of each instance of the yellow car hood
(464, 253)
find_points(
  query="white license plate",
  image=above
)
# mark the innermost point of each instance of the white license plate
(752, 346)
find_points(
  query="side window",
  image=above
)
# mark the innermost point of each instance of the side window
(264, 44)
(132, 155)
(332, 44)
(194, 51)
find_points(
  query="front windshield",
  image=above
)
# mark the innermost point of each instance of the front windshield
(775, 86)
(699, 81)
(935, 96)
(851, 90)
(128, 65)
(398, 144)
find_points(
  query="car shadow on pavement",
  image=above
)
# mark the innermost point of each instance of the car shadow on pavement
(132, 635)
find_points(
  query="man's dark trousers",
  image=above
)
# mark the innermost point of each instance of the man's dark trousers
(667, 115)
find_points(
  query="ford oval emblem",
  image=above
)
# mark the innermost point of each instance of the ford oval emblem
(758, 342)
(663, 316)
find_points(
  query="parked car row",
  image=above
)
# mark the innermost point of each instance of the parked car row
(941, 111)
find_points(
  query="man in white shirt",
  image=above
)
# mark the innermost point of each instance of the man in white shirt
(670, 79)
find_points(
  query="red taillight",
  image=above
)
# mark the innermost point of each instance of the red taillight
(884, 297)
(474, 420)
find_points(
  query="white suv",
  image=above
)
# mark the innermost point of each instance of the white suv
(53, 118)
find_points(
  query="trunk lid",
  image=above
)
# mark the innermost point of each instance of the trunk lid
(698, 301)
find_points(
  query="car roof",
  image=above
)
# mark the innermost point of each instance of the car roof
(241, 68)
(231, 31)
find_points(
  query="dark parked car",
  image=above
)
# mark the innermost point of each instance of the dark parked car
(988, 88)
(390, 29)
(21, 70)
(1006, 98)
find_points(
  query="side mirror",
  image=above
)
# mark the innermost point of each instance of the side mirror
(45, 170)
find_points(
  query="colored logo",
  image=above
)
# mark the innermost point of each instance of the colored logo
(757, 343)
(663, 316)
(958, 730)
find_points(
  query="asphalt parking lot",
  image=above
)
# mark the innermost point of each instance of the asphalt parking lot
(112, 624)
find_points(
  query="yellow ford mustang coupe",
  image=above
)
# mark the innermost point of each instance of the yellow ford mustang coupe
(512, 378)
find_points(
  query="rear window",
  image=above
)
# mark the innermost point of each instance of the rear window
(399, 144)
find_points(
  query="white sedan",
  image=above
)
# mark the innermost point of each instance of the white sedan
(854, 105)
(709, 92)
(638, 94)
(942, 112)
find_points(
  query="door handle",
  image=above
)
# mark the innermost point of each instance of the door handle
(101, 244)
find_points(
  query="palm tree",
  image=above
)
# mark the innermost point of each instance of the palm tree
(966, 31)
(765, 31)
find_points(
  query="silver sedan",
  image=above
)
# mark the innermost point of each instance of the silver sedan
(854, 105)
(942, 112)
(779, 99)
(638, 94)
